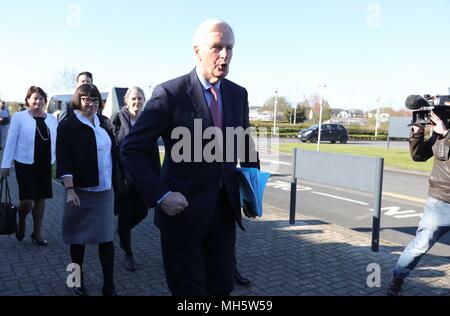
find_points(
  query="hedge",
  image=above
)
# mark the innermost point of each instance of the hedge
(284, 128)
(351, 137)
(353, 134)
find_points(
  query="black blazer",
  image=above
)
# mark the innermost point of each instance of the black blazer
(122, 124)
(76, 153)
(177, 103)
(66, 111)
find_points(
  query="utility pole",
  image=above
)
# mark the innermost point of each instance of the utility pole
(150, 89)
(377, 117)
(275, 112)
(295, 107)
(321, 88)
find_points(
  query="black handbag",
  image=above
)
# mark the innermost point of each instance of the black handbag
(8, 211)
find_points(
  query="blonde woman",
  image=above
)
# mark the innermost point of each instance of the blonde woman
(132, 208)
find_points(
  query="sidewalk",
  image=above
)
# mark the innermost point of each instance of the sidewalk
(309, 258)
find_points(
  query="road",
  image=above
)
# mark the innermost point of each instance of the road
(404, 194)
(413, 184)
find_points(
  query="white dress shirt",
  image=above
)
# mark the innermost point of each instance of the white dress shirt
(104, 157)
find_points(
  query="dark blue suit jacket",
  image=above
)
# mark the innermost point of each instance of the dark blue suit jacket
(177, 103)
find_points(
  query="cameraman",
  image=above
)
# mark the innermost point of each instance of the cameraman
(436, 216)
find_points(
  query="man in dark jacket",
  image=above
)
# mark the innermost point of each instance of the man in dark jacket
(436, 217)
(196, 198)
(66, 107)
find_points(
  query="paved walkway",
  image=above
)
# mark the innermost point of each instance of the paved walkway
(310, 258)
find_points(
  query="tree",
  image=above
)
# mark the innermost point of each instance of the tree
(14, 107)
(303, 110)
(392, 112)
(283, 107)
(314, 103)
(65, 80)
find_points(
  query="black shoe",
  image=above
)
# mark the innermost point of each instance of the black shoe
(81, 291)
(129, 263)
(39, 242)
(110, 292)
(20, 235)
(394, 286)
(240, 280)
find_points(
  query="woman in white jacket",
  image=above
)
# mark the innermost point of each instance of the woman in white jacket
(31, 146)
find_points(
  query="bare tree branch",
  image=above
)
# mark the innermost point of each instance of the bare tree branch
(65, 80)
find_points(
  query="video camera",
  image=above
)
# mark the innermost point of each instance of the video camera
(423, 106)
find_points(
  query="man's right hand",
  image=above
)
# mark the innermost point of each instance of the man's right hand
(174, 203)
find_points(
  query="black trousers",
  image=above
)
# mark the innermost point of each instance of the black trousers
(132, 210)
(206, 267)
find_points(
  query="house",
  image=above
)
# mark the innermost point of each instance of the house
(348, 117)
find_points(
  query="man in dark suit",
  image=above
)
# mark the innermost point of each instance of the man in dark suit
(196, 198)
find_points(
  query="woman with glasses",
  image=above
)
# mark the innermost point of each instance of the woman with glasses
(132, 208)
(31, 146)
(87, 157)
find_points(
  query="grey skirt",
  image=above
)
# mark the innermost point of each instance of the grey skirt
(92, 222)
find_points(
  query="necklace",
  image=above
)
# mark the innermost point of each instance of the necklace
(40, 134)
(34, 114)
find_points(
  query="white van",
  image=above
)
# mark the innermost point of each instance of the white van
(112, 99)
(54, 103)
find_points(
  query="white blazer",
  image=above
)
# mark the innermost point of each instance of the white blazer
(21, 135)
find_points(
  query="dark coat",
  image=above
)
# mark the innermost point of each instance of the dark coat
(177, 103)
(122, 124)
(130, 201)
(76, 153)
(439, 147)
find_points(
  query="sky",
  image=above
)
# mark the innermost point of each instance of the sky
(365, 53)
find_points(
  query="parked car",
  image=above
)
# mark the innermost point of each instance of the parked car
(330, 132)
(112, 99)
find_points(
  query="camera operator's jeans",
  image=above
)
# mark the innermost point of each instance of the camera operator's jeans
(434, 224)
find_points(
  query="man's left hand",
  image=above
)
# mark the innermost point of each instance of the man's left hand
(247, 212)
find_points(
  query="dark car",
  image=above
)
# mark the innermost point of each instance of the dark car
(330, 132)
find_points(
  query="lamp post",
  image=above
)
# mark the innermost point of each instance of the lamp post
(150, 89)
(377, 117)
(295, 114)
(321, 88)
(275, 112)
(295, 107)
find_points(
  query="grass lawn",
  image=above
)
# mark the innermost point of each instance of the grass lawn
(395, 158)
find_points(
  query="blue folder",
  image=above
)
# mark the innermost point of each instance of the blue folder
(252, 182)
